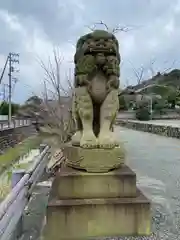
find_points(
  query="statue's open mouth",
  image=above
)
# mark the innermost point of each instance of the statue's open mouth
(100, 50)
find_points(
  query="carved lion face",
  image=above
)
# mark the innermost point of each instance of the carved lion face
(99, 45)
(97, 42)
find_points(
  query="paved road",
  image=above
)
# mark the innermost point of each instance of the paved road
(156, 160)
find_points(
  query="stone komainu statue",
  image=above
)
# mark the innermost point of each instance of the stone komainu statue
(95, 101)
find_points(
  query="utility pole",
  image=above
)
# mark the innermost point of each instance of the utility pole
(4, 91)
(12, 59)
(10, 87)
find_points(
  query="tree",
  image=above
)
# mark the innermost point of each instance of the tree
(172, 100)
(31, 107)
(55, 109)
(4, 108)
(159, 106)
(152, 88)
(34, 100)
(143, 111)
(173, 97)
(147, 75)
(122, 103)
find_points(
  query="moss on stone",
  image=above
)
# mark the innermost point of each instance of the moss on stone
(86, 64)
(94, 160)
(19, 150)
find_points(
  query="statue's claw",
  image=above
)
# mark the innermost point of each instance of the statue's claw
(88, 140)
(107, 140)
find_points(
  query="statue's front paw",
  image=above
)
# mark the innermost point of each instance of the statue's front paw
(88, 140)
(107, 140)
(76, 138)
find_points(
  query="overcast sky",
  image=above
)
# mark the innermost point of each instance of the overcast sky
(32, 28)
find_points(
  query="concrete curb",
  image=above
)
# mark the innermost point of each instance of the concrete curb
(167, 131)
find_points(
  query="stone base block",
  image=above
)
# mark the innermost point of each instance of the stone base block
(90, 218)
(94, 160)
(72, 183)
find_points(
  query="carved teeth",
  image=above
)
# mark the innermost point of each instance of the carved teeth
(90, 49)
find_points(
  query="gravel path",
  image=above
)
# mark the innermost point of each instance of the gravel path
(156, 160)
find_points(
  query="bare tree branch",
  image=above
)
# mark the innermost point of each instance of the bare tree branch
(55, 110)
(138, 72)
(93, 27)
(151, 68)
(141, 73)
(154, 72)
(118, 28)
(169, 68)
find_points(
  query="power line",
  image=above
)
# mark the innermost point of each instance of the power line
(3, 71)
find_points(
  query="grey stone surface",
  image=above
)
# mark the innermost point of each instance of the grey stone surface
(34, 214)
(153, 237)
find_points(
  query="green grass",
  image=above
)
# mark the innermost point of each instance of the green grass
(12, 154)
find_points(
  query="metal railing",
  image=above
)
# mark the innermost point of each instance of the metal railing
(15, 123)
(23, 183)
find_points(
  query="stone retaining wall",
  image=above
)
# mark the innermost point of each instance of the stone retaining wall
(169, 114)
(168, 131)
(12, 136)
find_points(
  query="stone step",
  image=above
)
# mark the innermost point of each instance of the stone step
(90, 218)
(72, 183)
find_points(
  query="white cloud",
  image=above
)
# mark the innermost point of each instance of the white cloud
(127, 44)
(170, 27)
(177, 6)
(12, 21)
(36, 46)
(33, 28)
(153, 43)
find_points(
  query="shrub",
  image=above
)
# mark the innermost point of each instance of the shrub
(122, 103)
(4, 108)
(160, 106)
(143, 112)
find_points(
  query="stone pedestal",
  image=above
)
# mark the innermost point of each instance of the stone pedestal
(94, 160)
(86, 205)
(76, 184)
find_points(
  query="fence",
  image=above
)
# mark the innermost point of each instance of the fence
(14, 123)
(11, 209)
